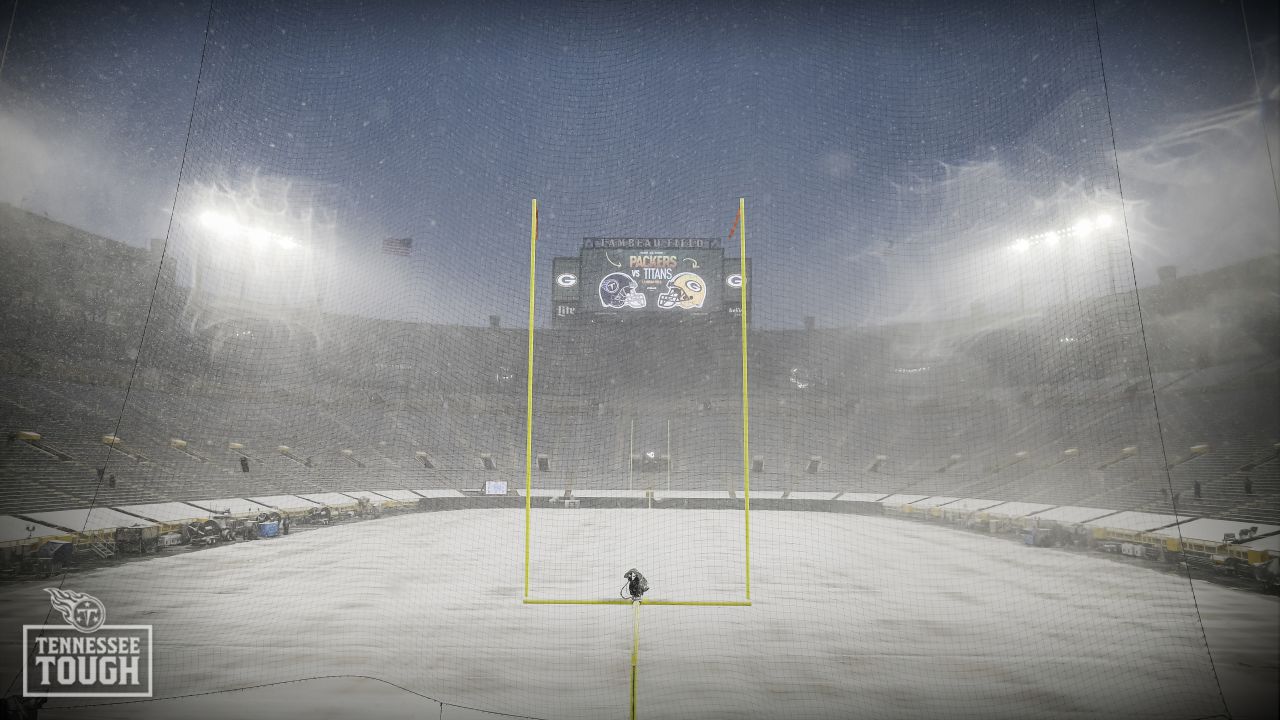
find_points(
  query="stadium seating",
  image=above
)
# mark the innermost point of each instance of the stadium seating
(1011, 410)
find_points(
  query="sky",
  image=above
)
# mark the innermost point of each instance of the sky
(891, 154)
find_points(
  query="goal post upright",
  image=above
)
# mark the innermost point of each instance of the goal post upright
(528, 403)
(746, 447)
(635, 653)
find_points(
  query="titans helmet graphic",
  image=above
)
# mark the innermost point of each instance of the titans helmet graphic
(619, 290)
(686, 291)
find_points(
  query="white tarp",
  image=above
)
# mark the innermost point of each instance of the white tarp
(434, 493)
(894, 500)
(760, 494)
(1016, 509)
(14, 530)
(373, 497)
(234, 506)
(407, 495)
(542, 492)
(1137, 521)
(165, 512)
(690, 494)
(83, 520)
(1069, 514)
(865, 497)
(288, 503)
(608, 493)
(331, 499)
(930, 502)
(969, 504)
(1212, 529)
(1271, 543)
(1098, 661)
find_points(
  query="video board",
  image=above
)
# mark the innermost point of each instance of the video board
(652, 276)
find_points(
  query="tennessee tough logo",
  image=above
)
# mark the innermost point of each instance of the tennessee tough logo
(86, 657)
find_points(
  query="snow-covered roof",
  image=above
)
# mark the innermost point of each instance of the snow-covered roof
(1271, 543)
(372, 497)
(85, 520)
(285, 502)
(434, 493)
(1073, 514)
(810, 495)
(1130, 520)
(332, 499)
(691, 494)
(235, 506)
(14, 529)
(1212, 529)
(899, 499)
(542, 492)
(868, 496)
(165, 512)
(1016, 509)
(967, 504)
(934, 501)
(608, 493)
(406, 495)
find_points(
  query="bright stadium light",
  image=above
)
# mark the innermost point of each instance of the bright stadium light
(228, 226)
(217, 222)
(1083, 228)
(257, 235)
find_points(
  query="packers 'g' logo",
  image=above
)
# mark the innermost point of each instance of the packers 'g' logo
(566, 280)
(734, 281)
(686, 291)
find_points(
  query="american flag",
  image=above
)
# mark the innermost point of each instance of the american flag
(397, 246)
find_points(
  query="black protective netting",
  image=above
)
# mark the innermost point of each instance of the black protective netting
(266, 277)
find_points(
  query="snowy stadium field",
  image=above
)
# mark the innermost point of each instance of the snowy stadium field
(868, 617)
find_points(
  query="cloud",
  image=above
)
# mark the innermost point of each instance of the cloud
(837, 165)
(1016, 232)
(1199, 194)
(83, 176)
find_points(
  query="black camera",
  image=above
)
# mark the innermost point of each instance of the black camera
(636, 584)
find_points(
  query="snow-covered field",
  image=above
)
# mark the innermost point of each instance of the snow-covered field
(852, 617)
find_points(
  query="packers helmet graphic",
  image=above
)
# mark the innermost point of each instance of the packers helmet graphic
(619, 290)
(686, 291)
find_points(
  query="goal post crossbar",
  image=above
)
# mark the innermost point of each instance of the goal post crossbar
(642, 601)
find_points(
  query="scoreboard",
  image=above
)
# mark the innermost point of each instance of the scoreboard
(651, 277)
